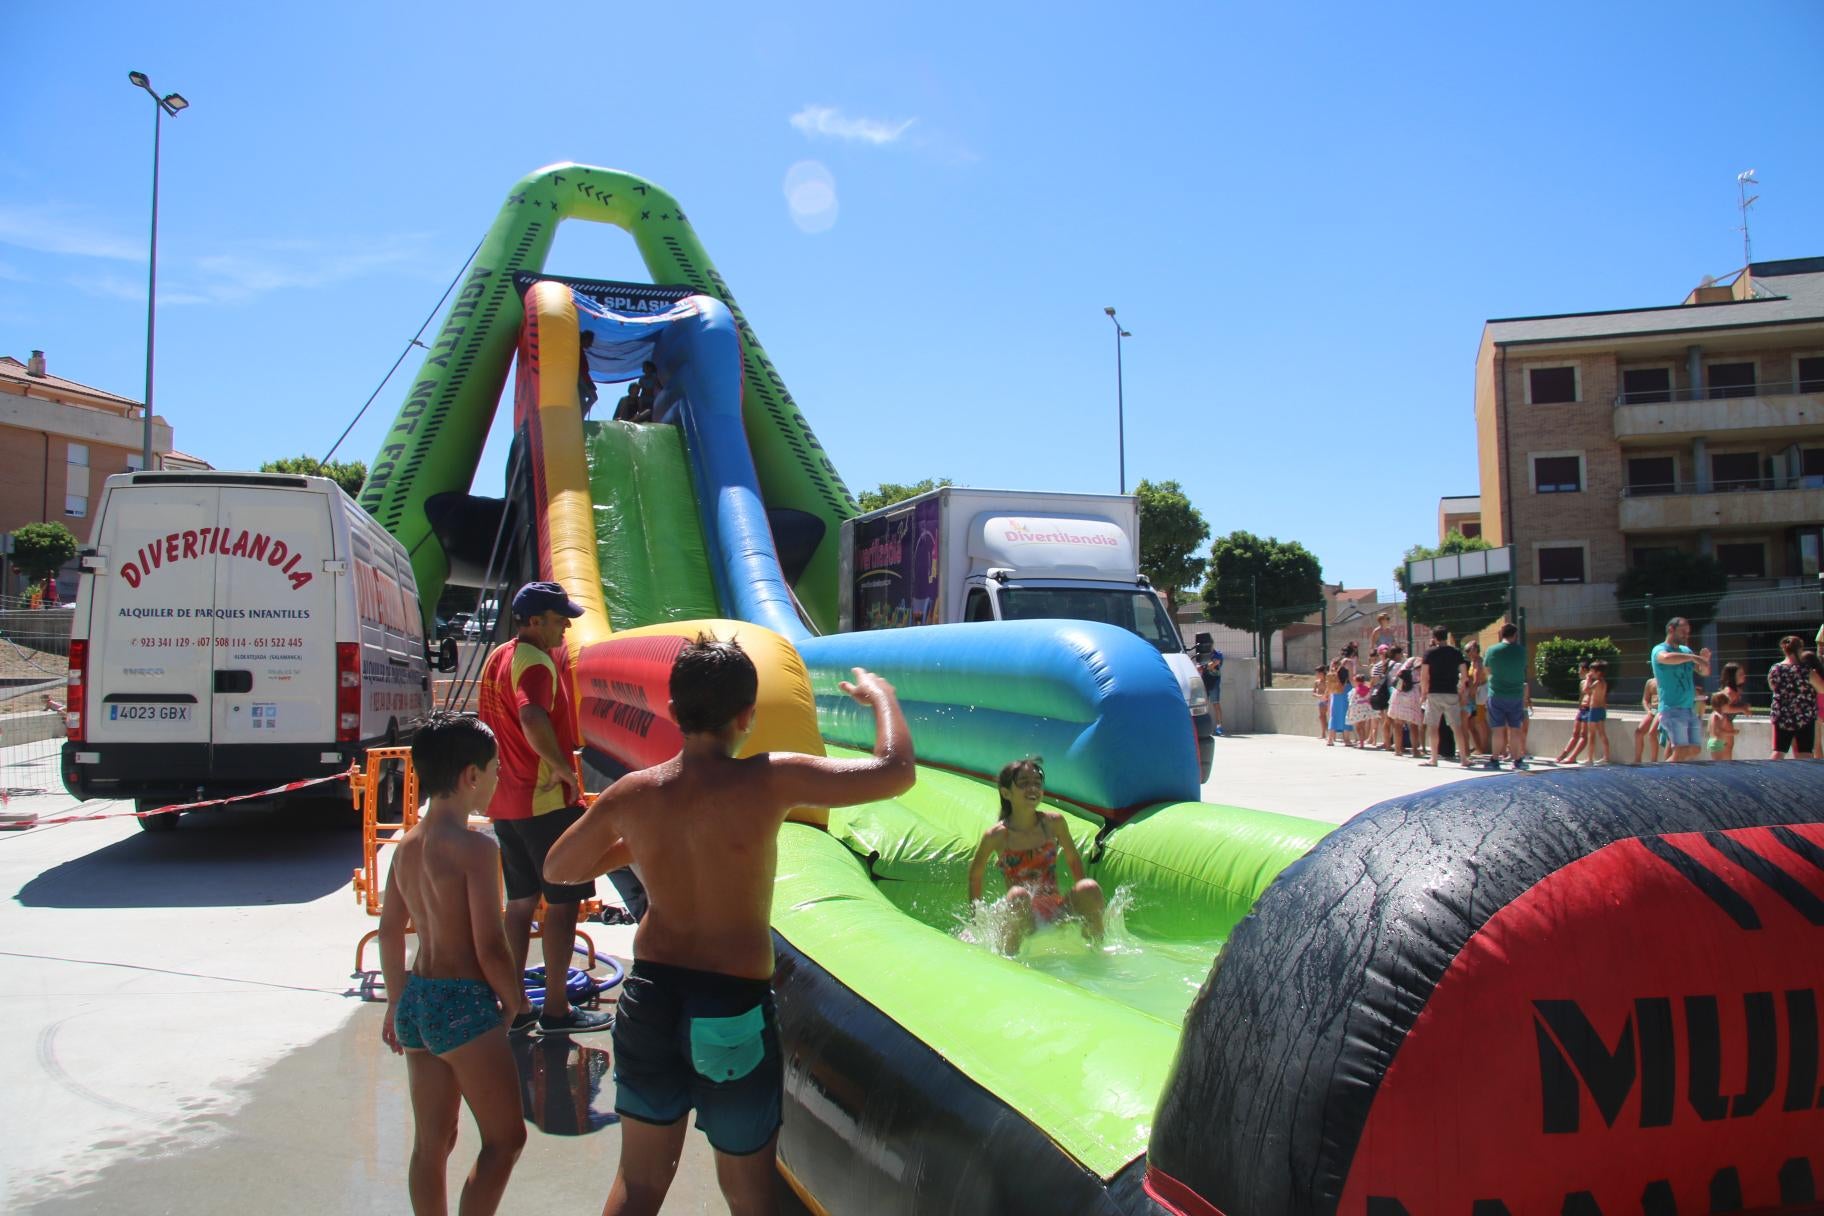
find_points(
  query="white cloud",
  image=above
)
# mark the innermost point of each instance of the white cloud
(259, 268)
(57, 228)
(832, 123)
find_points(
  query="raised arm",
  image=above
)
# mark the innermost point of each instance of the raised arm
(800, 780)
(481, 871)
(592, 845)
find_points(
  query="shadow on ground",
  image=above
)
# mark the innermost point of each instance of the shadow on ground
(287, 854)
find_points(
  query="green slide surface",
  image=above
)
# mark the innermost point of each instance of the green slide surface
(1083, 1058)
(648, 539)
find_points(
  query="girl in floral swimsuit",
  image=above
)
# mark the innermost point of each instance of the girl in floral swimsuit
(1027, 842)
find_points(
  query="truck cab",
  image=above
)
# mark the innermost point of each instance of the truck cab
(957, 554)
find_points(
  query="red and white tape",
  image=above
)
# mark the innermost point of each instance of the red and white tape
(287, 788)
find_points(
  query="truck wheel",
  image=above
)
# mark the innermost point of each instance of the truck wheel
(155, 823)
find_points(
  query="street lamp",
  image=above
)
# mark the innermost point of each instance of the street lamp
(1120, 404)
(170, 103)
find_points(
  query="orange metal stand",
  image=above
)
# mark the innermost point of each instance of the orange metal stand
(369, 880)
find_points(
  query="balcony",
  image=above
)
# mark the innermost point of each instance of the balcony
(1764, 411)
(1763, 502)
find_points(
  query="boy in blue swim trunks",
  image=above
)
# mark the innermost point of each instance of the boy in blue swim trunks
(695, 1026)
(447, 1016)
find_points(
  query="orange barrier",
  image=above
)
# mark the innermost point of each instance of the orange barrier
(365, 781)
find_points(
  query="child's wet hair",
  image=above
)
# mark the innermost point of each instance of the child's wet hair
(1719, 699)
(444, 745)
(1011, 772)
(711, 683)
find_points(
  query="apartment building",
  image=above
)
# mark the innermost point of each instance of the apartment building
(59, 440)
(1603, 437)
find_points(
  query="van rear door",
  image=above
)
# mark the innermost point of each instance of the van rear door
(274, 641)
(150, 617)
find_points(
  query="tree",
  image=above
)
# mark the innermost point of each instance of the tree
(40, 550)
(1171, 530)
(891, 492)
(1681, 584)
(1261, 586)
(349, 474)
(1464, 606)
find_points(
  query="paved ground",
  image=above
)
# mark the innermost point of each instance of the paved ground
(184, 1033)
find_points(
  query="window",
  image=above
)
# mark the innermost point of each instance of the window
(1743, 560)
(136, 461)
(1646, 555)
(1811, 468)
(1469, 529)
(1639, 384)
(76, 480)
(1557, 474)
(76, 506)
(1731, 379)
(78, 454)
(1551, 385)
(1811, 374)
(977, 607)
(1736, 470)
(1561, 564)
(1651, 475)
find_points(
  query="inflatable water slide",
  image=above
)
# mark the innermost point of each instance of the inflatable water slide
(1587, 992)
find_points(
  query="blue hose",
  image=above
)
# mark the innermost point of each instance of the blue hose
(579, 985)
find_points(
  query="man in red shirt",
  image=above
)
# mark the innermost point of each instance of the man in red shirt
(527, 700)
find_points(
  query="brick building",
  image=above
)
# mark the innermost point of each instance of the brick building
(1603, 437)
(59, 441)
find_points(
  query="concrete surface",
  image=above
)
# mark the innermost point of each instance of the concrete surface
(185, 1033)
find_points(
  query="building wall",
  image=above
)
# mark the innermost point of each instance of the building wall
(1489, 453)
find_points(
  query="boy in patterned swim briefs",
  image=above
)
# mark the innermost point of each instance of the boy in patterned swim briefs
(447, 1016)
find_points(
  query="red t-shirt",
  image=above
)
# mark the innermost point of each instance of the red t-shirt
(516, 675)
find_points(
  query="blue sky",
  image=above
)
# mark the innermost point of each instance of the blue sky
(1303, 213)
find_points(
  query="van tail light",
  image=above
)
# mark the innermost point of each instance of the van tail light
(348, 692)
(76, 694)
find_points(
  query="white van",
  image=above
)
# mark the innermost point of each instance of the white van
(234, 632)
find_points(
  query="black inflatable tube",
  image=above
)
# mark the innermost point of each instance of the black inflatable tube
(1678, 1072)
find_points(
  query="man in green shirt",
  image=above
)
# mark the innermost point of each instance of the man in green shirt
(1506, 663)
(1677, 668)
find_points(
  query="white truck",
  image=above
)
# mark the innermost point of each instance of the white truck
(234, 632)
(954, 554)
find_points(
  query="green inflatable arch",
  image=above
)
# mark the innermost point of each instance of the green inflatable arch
(436, 440)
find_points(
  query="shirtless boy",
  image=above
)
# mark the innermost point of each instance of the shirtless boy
(695, 1026)
(447, 1016)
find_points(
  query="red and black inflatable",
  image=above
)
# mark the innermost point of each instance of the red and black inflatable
(1578, 993)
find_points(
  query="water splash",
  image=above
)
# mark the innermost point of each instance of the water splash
(1157, 977)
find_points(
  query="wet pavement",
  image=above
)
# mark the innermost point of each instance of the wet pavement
(184, 1033)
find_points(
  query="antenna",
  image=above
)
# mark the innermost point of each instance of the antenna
(1744, 200)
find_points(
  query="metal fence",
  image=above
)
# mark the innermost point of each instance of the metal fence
(1742, 628)
(34, 665)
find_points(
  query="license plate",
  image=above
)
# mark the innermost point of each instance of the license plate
(149, 713)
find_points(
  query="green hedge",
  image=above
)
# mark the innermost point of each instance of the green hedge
(1555, 662)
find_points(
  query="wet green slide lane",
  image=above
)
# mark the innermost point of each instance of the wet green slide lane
(648, 539)
(1078, 1040)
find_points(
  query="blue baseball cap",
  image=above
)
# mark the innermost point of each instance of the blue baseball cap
(534, 598)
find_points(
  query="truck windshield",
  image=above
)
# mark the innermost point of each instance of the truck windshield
(1135, 611)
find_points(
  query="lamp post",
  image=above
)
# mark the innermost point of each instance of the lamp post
(1120, 404)
(170, 103)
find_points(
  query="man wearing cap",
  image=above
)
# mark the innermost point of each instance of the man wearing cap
(527, 700)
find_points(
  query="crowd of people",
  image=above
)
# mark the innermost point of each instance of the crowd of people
(1456, 702)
